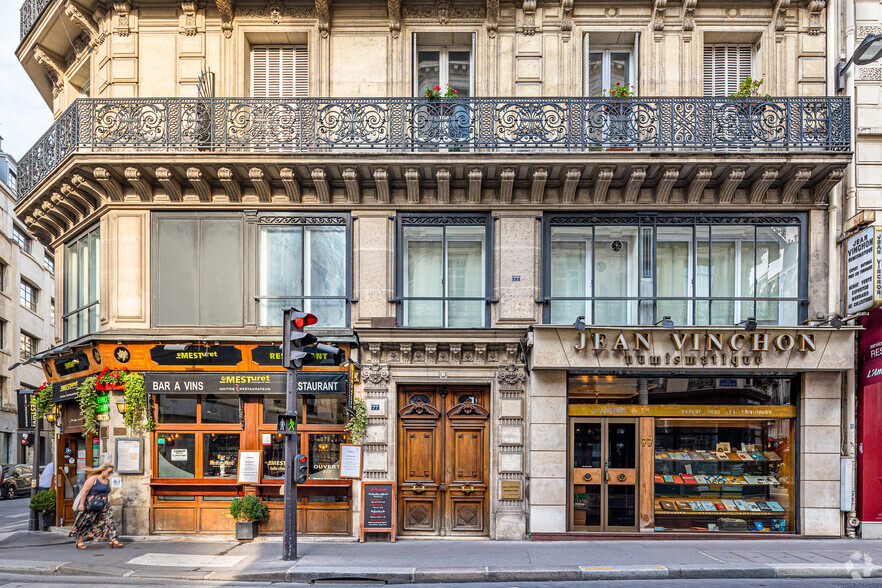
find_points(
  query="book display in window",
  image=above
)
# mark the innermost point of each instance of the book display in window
(742, 484)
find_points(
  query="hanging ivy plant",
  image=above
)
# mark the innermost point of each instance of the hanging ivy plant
(88, 405)
(42, 402)
(138, 417)
(358, 418)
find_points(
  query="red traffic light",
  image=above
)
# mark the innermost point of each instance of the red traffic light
(302, 459)
(304, 319)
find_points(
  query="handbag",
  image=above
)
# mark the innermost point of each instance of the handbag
(95, 502)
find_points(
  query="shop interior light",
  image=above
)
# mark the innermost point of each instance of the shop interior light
(579, 325)
(121, 406)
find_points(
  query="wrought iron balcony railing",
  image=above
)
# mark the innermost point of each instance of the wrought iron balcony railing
(30, 14)
(409, 125)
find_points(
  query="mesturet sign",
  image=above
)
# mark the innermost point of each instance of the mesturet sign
(863, 277)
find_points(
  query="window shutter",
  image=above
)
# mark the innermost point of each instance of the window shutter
(279, 71)
(586, 82)
(726, 66)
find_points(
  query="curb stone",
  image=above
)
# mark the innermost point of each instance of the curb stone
(309, 574)
(449, 575)
(13, 566)
(624, 572)
(720, 572)
(533, 574)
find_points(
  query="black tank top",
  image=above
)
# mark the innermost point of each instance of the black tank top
(99, 489)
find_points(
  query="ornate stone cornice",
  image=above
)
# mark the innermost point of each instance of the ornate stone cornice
(122, 10)
(394, 8)
(815, 8)
(54, 66)
(492, 23)
(275, 11)
(323, 13)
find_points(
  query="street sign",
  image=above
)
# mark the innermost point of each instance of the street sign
(287, 424)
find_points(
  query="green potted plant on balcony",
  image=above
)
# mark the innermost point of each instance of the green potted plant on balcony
(749, 92)
(619, 114)
(248, 512)
(44, 503)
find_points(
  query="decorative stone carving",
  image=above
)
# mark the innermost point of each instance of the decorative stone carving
(476, 174)
(431, 349)
(455, 351)
(566, 20)
(323, 13)
(226, 9)
(480, 352)
(793, 185)
(506, 184)
(123, 12)
(229, 183)
(468, 408)
(291, 184)
(825, 185)
(511, 376)
(688, 18)
(571, 182)
(601, 183)
(381, 178)
(699, 181)
(658, 19)
(275, 11)
(864, 31)
(322, 186)
(141, 185)
(200, 184)
(492, 23)
(188, 17)
(81, 45)
(529, 8)
(537, 187)
(54, 66)
(511, 350)
(394, 8)
(730, 183)
(79, 17)
(352, 185)
(781, 19)
(261, 184)
(666, 184)
(635, 180)
(375, 374)
(375, 349)
(442, 177)
(412, 182)
(443, 11)
(761, 185)
(815, 8)
(405, 349)
(869, 74)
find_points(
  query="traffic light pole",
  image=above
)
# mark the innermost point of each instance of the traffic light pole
(289, 537)
(33, 522)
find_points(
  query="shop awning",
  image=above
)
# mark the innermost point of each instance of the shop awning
(238, 383)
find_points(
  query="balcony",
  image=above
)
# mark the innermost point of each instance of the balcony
(748, 128)
(30, 14)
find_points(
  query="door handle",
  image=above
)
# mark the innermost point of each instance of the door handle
(622, 477)
(587, 476)
(467, 489)
(606, 474)
(418, 489)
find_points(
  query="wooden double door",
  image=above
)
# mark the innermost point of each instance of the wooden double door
(443, 461)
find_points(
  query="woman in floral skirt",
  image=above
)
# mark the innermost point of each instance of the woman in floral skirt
(94, 518)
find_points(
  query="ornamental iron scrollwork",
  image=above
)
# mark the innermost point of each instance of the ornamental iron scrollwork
(408, 125)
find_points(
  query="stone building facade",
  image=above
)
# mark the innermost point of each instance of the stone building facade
(207, 148)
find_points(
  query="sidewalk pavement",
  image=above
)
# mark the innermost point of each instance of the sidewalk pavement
(428, 561)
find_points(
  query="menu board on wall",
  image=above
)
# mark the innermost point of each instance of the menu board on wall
(350, 461)
(128, 455)
(249, 467)
(378, 508)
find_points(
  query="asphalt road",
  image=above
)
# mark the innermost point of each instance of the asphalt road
(14, 515)
(12, 581)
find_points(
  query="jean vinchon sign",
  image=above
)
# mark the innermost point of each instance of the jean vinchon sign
(691, 349)
(243, 382)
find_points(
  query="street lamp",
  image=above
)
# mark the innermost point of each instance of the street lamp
(50, 417)
(121, 407)
(868, 51)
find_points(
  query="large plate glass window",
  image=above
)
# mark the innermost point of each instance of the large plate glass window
(304, 262)
(81, 267)
(697, 270)
(444, 274)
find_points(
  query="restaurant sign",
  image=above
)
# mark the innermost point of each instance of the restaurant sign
(243, 382)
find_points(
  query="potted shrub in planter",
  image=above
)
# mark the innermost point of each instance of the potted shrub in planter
(619, 115)
(44, 503)
(248, 512)
(751, 103)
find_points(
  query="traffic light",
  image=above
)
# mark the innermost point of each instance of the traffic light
(27, 439)
(294, 337)
(300, 471)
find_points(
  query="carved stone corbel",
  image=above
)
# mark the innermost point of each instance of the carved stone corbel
(761, 185)
(261, 184)
(70, 212)
(200, 184)
(537, 188)
(322, 187)
(688, 18)
(90, 188)
(352, 185)
(529, 9)
(226, 9)
(394, 8)
(825, 185)
(476, 175)
(170, 183)
(492, 23)
(730, 184)
(506, 184)
(123, 11)
(412, 183)
(54, 66)
(666, 184)
(381, 179)
(699, 181)
(442, 177)
(56, 216)
(794, 184)
(188, 17)
(78, 16)
(230, 184)
(635, 180)
(571, 182)
(88, 202)
(815, 8)
(658, 19)
(601, 183)
(781, 19)
(323, 12)
(291, 184)
(142, 187)
(566, 20)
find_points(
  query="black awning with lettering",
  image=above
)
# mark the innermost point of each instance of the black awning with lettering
(243, 382)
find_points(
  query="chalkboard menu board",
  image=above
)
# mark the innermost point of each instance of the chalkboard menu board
(378, 508)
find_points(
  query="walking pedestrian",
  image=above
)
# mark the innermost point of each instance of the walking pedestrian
(47, 478)
(94, 519)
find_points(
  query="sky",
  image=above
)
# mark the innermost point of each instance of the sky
(24, 116)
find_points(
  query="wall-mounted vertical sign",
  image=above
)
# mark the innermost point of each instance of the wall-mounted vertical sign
(25, 413)
(863, 267)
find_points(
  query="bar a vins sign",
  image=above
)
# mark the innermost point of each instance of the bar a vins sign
(684, 349)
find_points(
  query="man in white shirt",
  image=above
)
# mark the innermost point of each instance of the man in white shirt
(46, 477)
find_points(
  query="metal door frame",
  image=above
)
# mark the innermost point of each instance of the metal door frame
(604, 483)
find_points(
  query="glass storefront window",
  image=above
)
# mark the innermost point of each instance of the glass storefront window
(731, 390)
(274, 456)
(327, 409)
(220, 455)
(324, 456)
(175, 410)
(636, 273)
(176, 455)
(728, 475)
(220, 409)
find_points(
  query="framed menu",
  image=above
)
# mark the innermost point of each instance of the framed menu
(249, 467)
(128, 456)
(350, 461)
